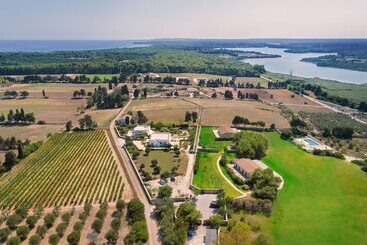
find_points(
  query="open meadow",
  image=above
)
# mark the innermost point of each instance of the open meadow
(323, 200)
(68, 169)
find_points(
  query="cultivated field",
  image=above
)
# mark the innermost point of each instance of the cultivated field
(55, 111)
(221, 112)
(323, 201)
(170, 110)
(68, 169)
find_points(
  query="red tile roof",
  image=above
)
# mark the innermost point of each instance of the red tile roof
(247, 165)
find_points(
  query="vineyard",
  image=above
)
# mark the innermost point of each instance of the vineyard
(69, 169)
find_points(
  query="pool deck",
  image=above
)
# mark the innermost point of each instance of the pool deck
(302, 142)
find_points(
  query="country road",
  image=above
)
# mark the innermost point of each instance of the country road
(134, 181)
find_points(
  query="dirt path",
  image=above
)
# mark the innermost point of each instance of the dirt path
(134, 181)
(128, 193)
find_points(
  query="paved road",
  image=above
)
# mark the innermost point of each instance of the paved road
(134, 181)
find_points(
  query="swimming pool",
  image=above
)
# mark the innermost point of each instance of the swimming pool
(311, 142)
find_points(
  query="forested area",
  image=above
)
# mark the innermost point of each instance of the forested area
(129, 61)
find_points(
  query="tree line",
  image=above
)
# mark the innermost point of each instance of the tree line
(104, 100)
(17, 117)
(142, 60)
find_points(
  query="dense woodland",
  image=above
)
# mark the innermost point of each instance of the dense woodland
(112, 61)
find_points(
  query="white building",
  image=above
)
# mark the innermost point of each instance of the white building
(141, 129)
(159, 140)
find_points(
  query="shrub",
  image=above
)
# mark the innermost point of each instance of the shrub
(78, 226)
(22, 232)
(120, 205)
(66, 217)
(82, 216)
(35, 240)
(87, 208)
(60, 228)
(14, 241)
(49, 219)
(97, 225)
(31, 221)
(41, 230)
(112, 236)
(101, 214)
(286, 135)
(135, 211)
(116, 224)
(22, 212)
(4, 233)
(73, 238)
(13, 221)
(164, 191)
(140, 230)
(53, 239)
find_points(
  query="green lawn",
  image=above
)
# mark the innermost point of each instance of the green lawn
(208, 177)
(324, 200)
(166, 160)
(207, 139)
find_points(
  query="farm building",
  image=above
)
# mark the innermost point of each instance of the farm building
(245, 166)
(159, 140)
(226, 132)
(141, 129)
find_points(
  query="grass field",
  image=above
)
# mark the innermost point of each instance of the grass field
(68, 169)
(207, 174)
(324, 200)
(166, 160)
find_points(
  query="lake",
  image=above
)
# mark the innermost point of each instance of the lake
(292, 62)
(63, 45)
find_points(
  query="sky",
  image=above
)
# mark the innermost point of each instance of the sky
(145, 19)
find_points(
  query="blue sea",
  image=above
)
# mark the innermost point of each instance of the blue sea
(63, 45)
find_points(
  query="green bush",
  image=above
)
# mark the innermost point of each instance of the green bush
(78, 226)
(73, 238)
(112, 236)
(35, 240)
(31, 221)
(97, 225)
(13, 221)
(41, 230)
(135, 211)
(116, 224)
(4, 233)
(14, 241)
(120, 205)
(22, 212)
(54, 239)
(49, 219)
(250, 144)
(60, 228)
(22, 232)
(66, 217)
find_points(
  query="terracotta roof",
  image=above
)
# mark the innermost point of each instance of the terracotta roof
(246, 164)
(226, 130)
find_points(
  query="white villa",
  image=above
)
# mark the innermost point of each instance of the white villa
(159, 140)
(141, 129)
